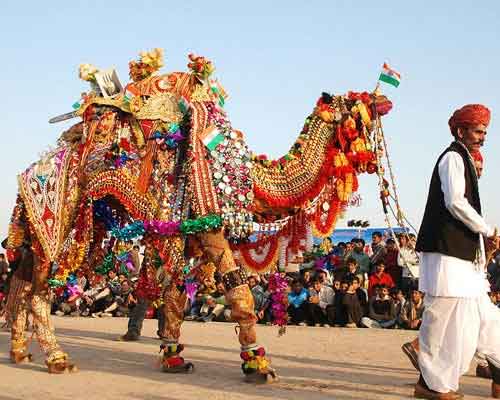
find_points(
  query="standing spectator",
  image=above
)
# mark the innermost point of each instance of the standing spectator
(350, 271)
(297, 300)
(340, 250)
(382, 312)
(378, 249)
(321, 308)
(413, 311)
(260, 298)
(379, 277)
(409, 262)
(4, 266)
(136, 260)
(391, 262)
(361, 257)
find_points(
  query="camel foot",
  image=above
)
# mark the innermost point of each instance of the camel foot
(20, 357)
(262, 377)
(61, 366)
(184, 368)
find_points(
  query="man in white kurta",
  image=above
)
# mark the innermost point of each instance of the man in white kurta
(459, 316)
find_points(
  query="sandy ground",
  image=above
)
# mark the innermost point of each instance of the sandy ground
(313, 363)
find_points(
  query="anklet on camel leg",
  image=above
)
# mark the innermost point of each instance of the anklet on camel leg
(256, 366)
(19, 352)
(172, 362)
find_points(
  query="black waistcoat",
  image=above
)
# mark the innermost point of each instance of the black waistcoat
(440, 232)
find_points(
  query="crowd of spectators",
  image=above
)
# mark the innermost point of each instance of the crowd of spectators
(348, 284)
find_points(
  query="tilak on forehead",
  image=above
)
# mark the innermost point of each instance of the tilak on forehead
(469, 115)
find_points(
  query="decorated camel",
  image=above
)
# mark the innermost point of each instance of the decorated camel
(159, 160)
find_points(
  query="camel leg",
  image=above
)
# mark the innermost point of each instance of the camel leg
(255, 366)
(18, 315)
(57, 361)
(17, 309)
(173, 311)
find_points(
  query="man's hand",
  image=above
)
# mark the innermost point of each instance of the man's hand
(314, 300)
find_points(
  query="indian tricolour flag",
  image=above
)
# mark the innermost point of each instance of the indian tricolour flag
(389, 76)
(77, 104)
(211, 137)
(130, 93)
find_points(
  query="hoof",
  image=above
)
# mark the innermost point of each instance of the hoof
(63, 367)
(20, 357)
(260, 378)
(186, 368)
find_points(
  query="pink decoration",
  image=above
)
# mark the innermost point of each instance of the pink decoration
(163, 228)
(278, 287)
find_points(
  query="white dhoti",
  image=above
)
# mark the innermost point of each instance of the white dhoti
(453, 328)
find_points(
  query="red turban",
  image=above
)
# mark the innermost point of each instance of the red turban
(469, 115)
(477, 156)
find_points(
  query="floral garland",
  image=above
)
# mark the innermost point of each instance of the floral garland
(250, 256)
(323, 225)
(278, 286)
(200, 66)
(149, 62)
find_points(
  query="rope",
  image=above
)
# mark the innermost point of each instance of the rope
(391, 174)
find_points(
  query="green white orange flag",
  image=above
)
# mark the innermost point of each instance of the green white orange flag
(389, 76)
(211, 137)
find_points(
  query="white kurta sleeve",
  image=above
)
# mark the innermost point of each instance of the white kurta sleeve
(452, 173)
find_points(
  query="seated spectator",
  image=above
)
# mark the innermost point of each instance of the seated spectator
(124, 302)
(306, 278)
(260, 298)
(321, 307)
(351, 305)
(399, 303)
(195, 309)
(336, 285)
(379, 277)
(362, 296)
(391, 262)
(214, 305)
(297, 300)
(340, 311)
(324, 277)
(381, 310)
(413, 310)
(104, 298)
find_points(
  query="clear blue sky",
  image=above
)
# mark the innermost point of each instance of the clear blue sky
(274, 58)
